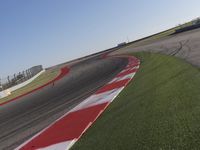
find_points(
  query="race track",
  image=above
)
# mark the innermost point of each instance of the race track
(185, 45)
(24, 117)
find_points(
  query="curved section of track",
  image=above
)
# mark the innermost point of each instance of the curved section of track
(185, 45)
(21, 119)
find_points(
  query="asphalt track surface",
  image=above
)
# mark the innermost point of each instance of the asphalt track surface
(24, 117)
(184, 45)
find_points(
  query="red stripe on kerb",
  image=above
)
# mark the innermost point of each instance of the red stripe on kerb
(67, 128)
(74, 124)
(113, 85)
(126, 73)
(132, 60)
(132, 65)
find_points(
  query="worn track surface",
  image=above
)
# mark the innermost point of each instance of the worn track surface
(21, 119)
(185, 45)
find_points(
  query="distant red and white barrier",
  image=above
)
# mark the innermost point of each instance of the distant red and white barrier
(64, 132)
(63, 72)
(7, 92)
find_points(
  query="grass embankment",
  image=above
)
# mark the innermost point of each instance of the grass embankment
(39, 81)
(159, 110)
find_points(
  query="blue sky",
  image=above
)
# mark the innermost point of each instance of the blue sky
(49, 32)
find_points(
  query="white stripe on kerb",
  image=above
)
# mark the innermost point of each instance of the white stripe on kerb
(60, 146)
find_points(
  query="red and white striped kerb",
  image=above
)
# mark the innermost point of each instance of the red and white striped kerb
(65, 131)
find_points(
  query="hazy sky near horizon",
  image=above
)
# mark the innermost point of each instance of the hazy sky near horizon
(48, 32)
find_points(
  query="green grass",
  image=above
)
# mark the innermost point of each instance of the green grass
(159, 110)
(39, 81)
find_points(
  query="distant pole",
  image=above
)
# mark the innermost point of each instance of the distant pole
(15, 77)
(8, 79)
(1, 85)
(127, 39)
(23, 75)
(27, 74)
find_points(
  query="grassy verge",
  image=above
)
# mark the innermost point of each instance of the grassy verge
(160, 110)
(41, 80)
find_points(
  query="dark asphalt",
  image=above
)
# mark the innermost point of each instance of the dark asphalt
(21, 119)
